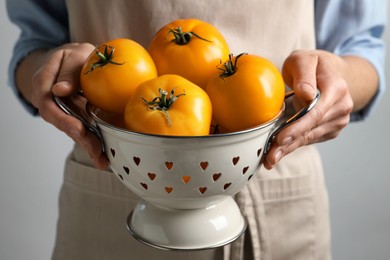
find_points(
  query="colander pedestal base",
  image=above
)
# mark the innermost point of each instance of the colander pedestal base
(187, 229)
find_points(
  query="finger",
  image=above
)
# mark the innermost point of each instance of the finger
(273, 156)
(92, 145)
(69, 71)
(326, 109)
(308, 122)
(79, 134)
(44, 79)
(51, 113)
(63, 88)
(59, 76)
(101, 162)
(299, 72)
(294, 137)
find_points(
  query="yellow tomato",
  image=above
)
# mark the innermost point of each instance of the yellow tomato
(169, 105)
(190, 48)
(112, 72)
(249, 92)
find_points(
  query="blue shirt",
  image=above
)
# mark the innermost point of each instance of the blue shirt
(352, 27)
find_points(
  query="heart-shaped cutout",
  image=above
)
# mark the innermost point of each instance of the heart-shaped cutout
(204, 165)
(186, 179)
(245, 170)
(152, 176)
(227, 185)
(136, 160)
(120, 176)
(202, 189)
(127, 170)
(112, 152)
(259, 152)
(168, 189)
(144, 185)
(235, 160)
(169, 165)
(216, 176)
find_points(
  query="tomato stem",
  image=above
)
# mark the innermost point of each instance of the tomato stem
(216, 129)
(163, 102)
(183, 38)
(229, 67)
(104, 58)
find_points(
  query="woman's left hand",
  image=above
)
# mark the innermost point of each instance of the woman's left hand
(305, 72)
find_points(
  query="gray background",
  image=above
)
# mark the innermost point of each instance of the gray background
(32, 159)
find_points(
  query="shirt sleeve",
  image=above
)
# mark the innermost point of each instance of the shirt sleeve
(354, 27)
(43, 24)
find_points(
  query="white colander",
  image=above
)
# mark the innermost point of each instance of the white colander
(185, 184)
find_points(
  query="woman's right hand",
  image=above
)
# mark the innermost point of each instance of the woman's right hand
(59, 75)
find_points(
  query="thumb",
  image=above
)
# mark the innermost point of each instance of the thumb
(63, 88)
(306, 90)
(300, 72)
(68, 78)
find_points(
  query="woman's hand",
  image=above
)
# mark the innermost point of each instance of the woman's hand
(59, 75)
(305, 72)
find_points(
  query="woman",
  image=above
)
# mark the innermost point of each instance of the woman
(333, 46)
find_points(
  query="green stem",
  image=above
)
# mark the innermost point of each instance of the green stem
(183, 38)
(229, 67)
(163, 102)
(104, 58)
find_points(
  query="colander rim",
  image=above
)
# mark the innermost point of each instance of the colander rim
(91, 110)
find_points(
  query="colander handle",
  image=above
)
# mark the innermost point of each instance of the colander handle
(290, 120)
(76, 106)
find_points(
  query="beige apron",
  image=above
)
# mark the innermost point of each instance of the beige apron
(286, 207)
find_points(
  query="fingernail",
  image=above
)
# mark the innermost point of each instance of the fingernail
(99, 164)
(57, 88)
(75, 134)
(96, 164)
(63, 83)
(287, 141)
(278, 156)
(308, 88)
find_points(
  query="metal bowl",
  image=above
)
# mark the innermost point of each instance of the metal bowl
(185, 183)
